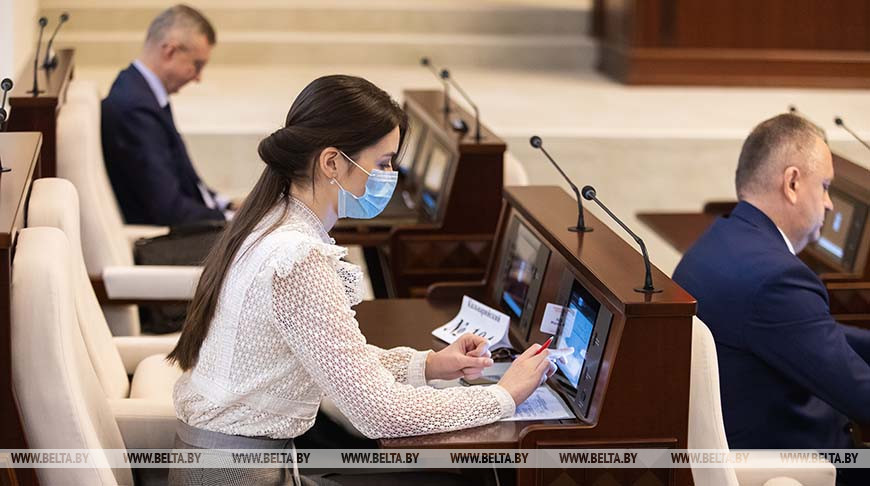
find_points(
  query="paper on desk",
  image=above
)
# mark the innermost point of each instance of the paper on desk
(544, 404)
(477, 318)
(554, 316)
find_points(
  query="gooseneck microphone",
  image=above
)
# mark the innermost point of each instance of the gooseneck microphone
(50, 61)
(590, 194)
(581, 227)
(42, 23)
(445, 75)
(839, 122)
(425, 62)
(6, 86)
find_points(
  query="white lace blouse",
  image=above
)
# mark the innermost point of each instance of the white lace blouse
(283, 335)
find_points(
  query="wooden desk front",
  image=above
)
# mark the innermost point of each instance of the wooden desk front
(32, 113)
(641, 395)
(20, 152)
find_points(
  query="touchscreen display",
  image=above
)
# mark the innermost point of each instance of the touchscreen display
(578, 332)
(410, 156)
(434, 176)
(521, 270)
(836, 228)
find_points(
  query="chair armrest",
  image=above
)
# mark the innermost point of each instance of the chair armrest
(145, 423)
(134, 232)
(151, 282)
(782, 481)
(134, 349)
(762, 470)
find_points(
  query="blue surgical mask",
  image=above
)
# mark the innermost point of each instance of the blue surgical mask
(379, 190)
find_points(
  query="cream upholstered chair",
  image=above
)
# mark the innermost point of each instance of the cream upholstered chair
(514, 172)
(707, 428)
(105, 241)
(54, 203)
(59, 396)
(86, 92)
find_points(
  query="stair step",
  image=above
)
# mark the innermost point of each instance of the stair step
(507, 18)
(266, 48)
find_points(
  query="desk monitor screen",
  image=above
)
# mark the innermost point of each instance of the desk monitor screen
(841, 234)
(435, 178)
(413, 143)
(587, 333)
(420, 161)
(524, 258)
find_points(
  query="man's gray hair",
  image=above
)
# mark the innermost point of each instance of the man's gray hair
(773, 145)
(179, 17)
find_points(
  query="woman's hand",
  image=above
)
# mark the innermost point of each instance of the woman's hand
(527, 373)
(466, 357)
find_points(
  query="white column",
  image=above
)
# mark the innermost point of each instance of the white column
(18, 31)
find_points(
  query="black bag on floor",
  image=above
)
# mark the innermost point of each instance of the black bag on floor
(186, 244)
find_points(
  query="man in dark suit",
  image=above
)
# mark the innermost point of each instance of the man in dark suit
(147, 162)
(791, 377)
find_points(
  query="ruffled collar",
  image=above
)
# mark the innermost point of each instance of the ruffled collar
(302, 213)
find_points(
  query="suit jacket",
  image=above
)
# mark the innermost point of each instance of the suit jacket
(791, 377)
(147, 162)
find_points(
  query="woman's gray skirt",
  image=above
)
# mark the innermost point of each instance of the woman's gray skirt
(222, 470)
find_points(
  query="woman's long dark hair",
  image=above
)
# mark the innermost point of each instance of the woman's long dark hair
(345, 112)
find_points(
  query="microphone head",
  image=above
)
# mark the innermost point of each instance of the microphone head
(43, 21)
(536, 141)
(424, 61)
(588, 192)
(445, 74)
(6, 84)
(792, 109)
(838, 121)
(64, 17)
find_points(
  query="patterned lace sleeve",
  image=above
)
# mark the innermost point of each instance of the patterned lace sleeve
(407, 365)
(312, 311)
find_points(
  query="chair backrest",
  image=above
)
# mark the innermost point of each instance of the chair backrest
(80, 160)
(54, 203)
(706, 426)
(514, 172)
(59, 397)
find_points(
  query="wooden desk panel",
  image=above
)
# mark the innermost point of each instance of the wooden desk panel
(680, 230)
(389, 323)
(606, 260)
(20, 152)
(643, 384)
(39, 113)
(812, 43)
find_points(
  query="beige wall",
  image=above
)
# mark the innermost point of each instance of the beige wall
(18, 31)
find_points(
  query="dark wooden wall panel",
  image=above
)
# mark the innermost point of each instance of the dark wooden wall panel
(812, 43)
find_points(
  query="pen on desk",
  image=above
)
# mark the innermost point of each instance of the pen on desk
(544, 346)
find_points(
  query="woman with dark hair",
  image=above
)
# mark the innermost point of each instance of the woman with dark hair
(270, 330)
